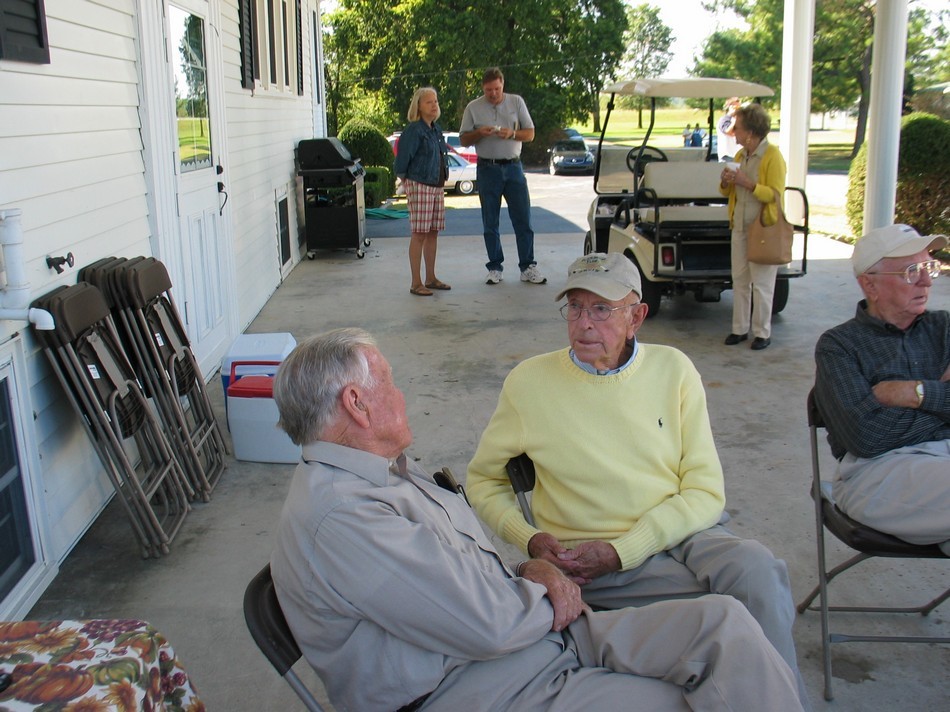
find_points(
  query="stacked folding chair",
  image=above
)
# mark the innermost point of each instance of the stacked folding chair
(87, 357)
(137, 290)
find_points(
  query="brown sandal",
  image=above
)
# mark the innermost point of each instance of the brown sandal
(436, 284)
(420, 291)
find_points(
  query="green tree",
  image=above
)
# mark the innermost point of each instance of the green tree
(388, 48)
(842, 51)
(648, 41)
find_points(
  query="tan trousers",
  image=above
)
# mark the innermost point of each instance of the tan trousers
(700, 654)
(753, 286)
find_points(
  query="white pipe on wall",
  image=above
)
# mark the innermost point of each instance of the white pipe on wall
(15, 294)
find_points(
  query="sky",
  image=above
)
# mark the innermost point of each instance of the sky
(691, 25)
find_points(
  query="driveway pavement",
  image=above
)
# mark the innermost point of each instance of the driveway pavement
(450, 354)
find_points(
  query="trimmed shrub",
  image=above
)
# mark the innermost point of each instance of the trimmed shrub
(369, 144)
(378, 185)
(923, 177)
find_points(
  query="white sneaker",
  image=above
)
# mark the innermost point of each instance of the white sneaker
(533, 275)
(494, 276)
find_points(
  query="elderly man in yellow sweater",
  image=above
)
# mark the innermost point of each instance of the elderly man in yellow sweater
(629, 490)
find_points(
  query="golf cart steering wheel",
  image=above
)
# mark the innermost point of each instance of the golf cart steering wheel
(638, 157)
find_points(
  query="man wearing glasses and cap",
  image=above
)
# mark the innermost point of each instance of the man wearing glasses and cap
(629, 492)
(882, 387)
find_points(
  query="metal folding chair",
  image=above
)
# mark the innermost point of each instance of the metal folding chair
(268, 627)
(869, 543)
(520, 471)
(86, 354)
(138, 292)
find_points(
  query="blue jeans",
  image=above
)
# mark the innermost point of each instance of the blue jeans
(494, 181)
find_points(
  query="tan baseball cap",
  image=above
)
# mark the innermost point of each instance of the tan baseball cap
(611, 276)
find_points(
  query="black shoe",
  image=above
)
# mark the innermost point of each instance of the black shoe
(758, 343)
(734, 339)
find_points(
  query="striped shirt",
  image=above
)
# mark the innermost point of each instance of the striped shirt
(855, 356)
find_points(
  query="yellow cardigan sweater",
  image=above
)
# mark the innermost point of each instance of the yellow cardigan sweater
(772, 172)
(628, 458)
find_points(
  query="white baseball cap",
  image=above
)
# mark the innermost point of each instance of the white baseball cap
(891, 241)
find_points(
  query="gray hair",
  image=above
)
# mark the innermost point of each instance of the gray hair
(413, 114)
(309, 381)
(755, 119)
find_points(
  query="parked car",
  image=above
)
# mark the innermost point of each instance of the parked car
(662, 207)
(461, 176)
(466, 152)
(571, 156)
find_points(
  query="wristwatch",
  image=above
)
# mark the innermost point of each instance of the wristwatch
(919, 390)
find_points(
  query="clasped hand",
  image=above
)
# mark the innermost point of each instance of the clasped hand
(581, 564)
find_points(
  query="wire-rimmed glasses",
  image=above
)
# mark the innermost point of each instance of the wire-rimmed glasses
(913, 272)
(597, 312)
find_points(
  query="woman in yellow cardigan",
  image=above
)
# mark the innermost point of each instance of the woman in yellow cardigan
(751, 189)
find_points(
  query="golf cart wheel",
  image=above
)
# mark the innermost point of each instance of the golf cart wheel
(465, 187)
(638, 157)
(651, 291)
(780, 295)
(588, 243)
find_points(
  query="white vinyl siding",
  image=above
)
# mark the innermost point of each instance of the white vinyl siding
(72, 160)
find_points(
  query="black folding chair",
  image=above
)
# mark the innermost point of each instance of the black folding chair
(869, 543)
(265, 620)
(520, 471)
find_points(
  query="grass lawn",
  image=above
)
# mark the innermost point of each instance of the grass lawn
(829, 151)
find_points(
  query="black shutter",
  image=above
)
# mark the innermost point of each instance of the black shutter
(23, 31)
(246, 24)
(299, 51)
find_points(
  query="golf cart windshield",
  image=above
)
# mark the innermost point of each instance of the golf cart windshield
(618, 169)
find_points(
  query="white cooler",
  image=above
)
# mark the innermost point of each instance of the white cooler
(256, 347)
(252, 418)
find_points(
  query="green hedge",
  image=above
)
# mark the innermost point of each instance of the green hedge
(923, 177)
(369, 144)
(378, 185)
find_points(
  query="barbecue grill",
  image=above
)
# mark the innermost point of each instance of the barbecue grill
(334, 206)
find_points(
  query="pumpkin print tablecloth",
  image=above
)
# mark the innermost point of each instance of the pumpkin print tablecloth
(91, 666)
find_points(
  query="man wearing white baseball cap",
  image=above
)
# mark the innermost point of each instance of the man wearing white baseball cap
(629, 494)
(883, 387)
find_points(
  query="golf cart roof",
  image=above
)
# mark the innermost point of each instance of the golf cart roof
(690, 88)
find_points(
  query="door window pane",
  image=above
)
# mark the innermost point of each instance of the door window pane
(186, 33)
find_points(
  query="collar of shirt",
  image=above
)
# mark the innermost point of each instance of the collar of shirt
(373, 468)
(593, 371)
(759, 150)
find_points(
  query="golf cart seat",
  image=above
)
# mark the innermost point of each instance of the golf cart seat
(682, 192)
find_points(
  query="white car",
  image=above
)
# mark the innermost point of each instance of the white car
(461, 176)
(466, 152)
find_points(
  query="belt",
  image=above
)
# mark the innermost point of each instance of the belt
(500, 161)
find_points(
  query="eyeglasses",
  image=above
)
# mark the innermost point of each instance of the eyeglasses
(912, 273)
(598, 312)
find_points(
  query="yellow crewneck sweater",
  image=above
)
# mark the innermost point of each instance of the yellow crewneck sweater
(627, 458)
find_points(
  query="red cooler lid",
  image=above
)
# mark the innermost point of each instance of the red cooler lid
(252, 386)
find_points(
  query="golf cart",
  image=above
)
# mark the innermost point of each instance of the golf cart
(662, 207)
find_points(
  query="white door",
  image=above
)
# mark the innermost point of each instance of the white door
(201, 300)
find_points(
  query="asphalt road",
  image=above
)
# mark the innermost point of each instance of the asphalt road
(559, 204)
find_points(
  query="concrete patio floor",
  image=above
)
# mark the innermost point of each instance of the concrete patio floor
(450, 354)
